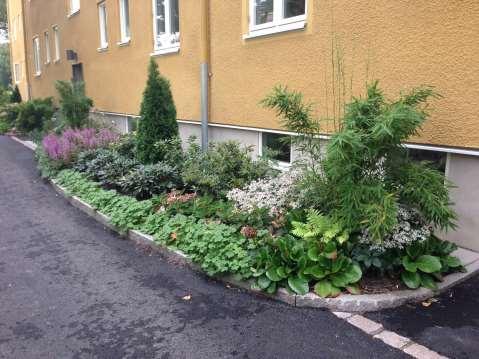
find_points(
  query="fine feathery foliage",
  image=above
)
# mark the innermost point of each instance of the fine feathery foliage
(297, 117)
(158, 116)
(34, 114)
(74, 104)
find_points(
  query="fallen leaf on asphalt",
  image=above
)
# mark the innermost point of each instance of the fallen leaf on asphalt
(186, 297)
(426, 304)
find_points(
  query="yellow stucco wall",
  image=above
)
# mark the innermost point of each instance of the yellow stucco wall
(403, 43)
(17, 44)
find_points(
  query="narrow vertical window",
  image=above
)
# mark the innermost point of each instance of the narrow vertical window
(17, 69)
(166, 24)
(56, 39)
(36, 56)
(103, 25)
(124, 21)
(74, 6)
(48, 56)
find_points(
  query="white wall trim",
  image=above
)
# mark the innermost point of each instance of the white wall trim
(425, 147)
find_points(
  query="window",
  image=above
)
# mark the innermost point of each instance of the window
(36, 56)
(124, 21)
(103, 25)
(434, 159)
(74, 6)
(166, 24)
(270, 16)
(278, 146)
(56, 39)
(17, 72)
(48, 56)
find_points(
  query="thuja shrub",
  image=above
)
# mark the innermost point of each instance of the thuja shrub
(65, 147)
(158, 116)
(34, 114)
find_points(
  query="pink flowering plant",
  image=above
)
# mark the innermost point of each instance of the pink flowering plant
(65, 147)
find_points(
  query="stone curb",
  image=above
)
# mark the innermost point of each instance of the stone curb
(344, 303)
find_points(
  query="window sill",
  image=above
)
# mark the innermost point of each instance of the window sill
(294, 26)
(56, 61)
(37, 74)
(124, 43)
(102, 49)
(165, 51)
(70, 15)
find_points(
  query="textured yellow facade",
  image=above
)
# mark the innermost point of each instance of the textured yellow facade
(403, 43)
(17, 46)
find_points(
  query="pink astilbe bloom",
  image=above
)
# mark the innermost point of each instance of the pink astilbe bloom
(66, 146)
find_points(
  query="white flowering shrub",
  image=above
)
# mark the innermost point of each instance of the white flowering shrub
(274, 194)
(410, 228)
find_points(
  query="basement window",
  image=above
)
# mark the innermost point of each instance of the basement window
(435, 159)
(273, 16)
(166, 26)
(277, 146)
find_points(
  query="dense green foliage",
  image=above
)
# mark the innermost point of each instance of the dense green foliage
(158, 116)
(74, 104)
(226, 165)
(16, 97)
(5, 70)
(34, 114)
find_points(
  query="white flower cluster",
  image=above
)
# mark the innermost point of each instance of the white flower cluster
(275, 194)
(410, 228)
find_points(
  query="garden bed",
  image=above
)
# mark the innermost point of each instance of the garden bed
(344, 303)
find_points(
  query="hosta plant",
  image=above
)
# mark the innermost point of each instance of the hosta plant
(424, 263)
(314, 257)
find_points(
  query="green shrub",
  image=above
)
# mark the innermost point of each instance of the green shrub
(15, 96)
(126, 146)
(226, 165)
(4, 127)
(74, 104)
(158, 116)
(10, 113)
(147, 181)
(34, 114)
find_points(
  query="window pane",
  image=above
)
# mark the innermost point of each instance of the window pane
(264, 11)
(280, 145)
(125, 19)
(294, 8)
(160, 17)
(435, 159)
(175, 18)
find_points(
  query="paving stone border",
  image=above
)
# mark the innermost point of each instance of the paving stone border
(344, 303)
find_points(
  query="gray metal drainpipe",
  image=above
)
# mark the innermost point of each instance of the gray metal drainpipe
(205, 74)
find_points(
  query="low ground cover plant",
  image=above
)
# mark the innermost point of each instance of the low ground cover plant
(355, 208)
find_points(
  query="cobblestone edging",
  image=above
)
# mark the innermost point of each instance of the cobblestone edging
(343, 303)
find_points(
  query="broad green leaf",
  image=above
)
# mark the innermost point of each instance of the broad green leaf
(411, 279)
(335, 291)
(343, 237)
(316, 271)
(340, 280)
(353, 289)
(272, 274)
(354, 273)
(313, 253)
(453, 262)
(264, 282)
(409, 265)
(428, 281)
(428, 264)
(272, 288)
(323, 288)
(298, 285)
(281, 271)
(339, 264)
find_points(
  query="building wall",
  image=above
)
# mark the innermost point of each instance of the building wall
(402, 43)
(17, 44)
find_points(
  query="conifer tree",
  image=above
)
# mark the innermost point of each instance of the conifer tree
(16, 97)
(158, 116)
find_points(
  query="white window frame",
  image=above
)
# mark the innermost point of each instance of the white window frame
(17, 72)
(125, 24)
(56, 40)
(280, 165)
(37, 62)
(279, 23)
(74, 7)
(103, 25)
(170, 48)
(48, 55)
